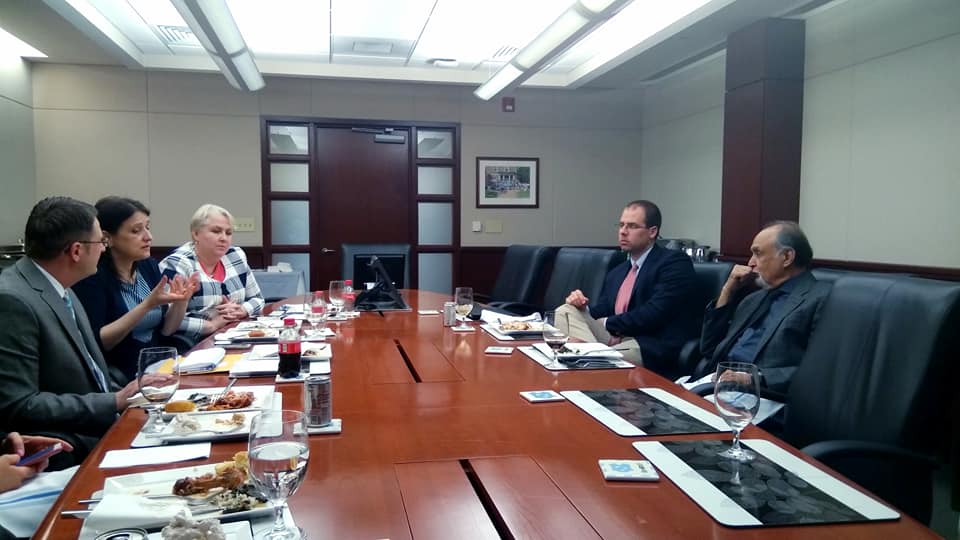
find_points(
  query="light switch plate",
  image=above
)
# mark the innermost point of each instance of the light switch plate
(476, 226)
(244, 225)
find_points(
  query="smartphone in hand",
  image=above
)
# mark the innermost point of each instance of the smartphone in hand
(41, 455)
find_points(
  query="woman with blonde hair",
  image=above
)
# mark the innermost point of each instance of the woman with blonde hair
(228, 291)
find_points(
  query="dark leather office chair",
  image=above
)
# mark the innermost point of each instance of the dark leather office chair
(710, 279)
(574, 268)
(872, 395)
(521, 277)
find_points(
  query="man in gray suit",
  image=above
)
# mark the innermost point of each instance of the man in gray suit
(769, 327)
(53, 379)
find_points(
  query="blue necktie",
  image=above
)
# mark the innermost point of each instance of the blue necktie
(101, 380)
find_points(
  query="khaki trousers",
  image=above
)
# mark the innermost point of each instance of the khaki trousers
(579, 324)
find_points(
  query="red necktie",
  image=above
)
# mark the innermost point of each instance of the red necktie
(626, 290)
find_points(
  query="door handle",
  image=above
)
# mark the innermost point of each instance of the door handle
(327, 250)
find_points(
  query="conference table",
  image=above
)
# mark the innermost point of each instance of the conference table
(438, 443)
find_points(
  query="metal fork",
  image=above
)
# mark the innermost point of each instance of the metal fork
(214, 399)
(189, 499)
(176, 435)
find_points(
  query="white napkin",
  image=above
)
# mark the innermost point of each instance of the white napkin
(254, 368)
(492, 317)
(202, 360)
(269, 351)
(120, 510)
(22, 509)
(150, 456)
(582, 350)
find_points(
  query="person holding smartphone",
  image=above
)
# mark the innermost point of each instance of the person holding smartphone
(26, 492)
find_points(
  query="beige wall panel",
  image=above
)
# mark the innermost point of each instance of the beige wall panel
(692, 91)
(196, 159)
(436, 109)
(589, 183)
(825, 176)
(89, 154)
(200, 93)
(904, 160)
(16, 155)
(15, 80)
(285, 97)
(852, 32)
(681, 169)
(99, 88)
(365, 100)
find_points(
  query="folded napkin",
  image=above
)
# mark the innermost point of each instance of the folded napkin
(151, 456)
(582, 350)
(202, 360)
(493, 317)
(120, 510)
(254, 368)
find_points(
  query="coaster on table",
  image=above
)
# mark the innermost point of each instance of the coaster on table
(493, 349)
(633, 470)
(428, 311)
(336, 426)
(299, 378)
(541, 396)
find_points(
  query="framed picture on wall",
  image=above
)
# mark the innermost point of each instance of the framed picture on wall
(508, 182)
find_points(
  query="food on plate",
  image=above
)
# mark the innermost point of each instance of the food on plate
(231, 478)
(179, 406)
(237, 419)
(256, 333)
(184, 423)
(241, 499)
(240, 462)
(312, 352)
(231, 400)
(516, 325)
(184, 527)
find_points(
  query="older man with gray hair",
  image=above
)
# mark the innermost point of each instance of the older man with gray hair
(769, 327)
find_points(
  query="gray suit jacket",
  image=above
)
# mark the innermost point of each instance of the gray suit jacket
(784, 341)
(46, 385)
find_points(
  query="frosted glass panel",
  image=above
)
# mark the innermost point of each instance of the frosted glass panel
(299, 261)
(435, 180)
(289, 177)
(434, 144)
(288, 140)
(435, 223)
(436, 272)
(290, 222)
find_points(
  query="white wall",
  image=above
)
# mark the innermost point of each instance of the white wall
(682, 150)
(880, 174)
(175, 140)
(17, 176)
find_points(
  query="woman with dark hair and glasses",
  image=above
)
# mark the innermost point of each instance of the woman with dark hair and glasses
(130, 305)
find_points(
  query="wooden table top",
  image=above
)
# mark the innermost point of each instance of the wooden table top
(437, 443)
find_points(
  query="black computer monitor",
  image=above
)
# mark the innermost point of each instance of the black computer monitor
(393, 265)
(384, 295)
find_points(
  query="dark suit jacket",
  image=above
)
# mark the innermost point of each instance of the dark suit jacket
(660, 315)
(103, 303)
(46, 386)
(784, 340)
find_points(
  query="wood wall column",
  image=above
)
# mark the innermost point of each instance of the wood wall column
(762, 130)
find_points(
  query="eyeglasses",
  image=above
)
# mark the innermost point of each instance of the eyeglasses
(631, 226)
(103, 241)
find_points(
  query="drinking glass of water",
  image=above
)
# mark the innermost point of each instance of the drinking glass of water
(737, 396)
(463, 296)
(316, 311)
(279, 452)
(552, 335)
(336, 295)
(154, 387)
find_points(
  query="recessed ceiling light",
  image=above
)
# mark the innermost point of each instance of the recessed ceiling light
(444, 62)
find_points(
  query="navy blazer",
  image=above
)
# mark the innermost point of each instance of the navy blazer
(101, 298)
(661, 314)
(784, 341)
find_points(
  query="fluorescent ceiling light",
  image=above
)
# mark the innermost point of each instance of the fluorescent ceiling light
(11, 45)
(498, 82)
(566, 25)
(213, 24)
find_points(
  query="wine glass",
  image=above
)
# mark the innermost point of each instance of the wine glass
(278, 452)
(463, 296)
(154, 387)
(336, 295)
(737, 396)
(552, 335)
(316, 311)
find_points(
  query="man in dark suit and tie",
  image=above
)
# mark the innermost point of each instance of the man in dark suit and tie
(53, 378)
(645, 308)
(769, 327)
